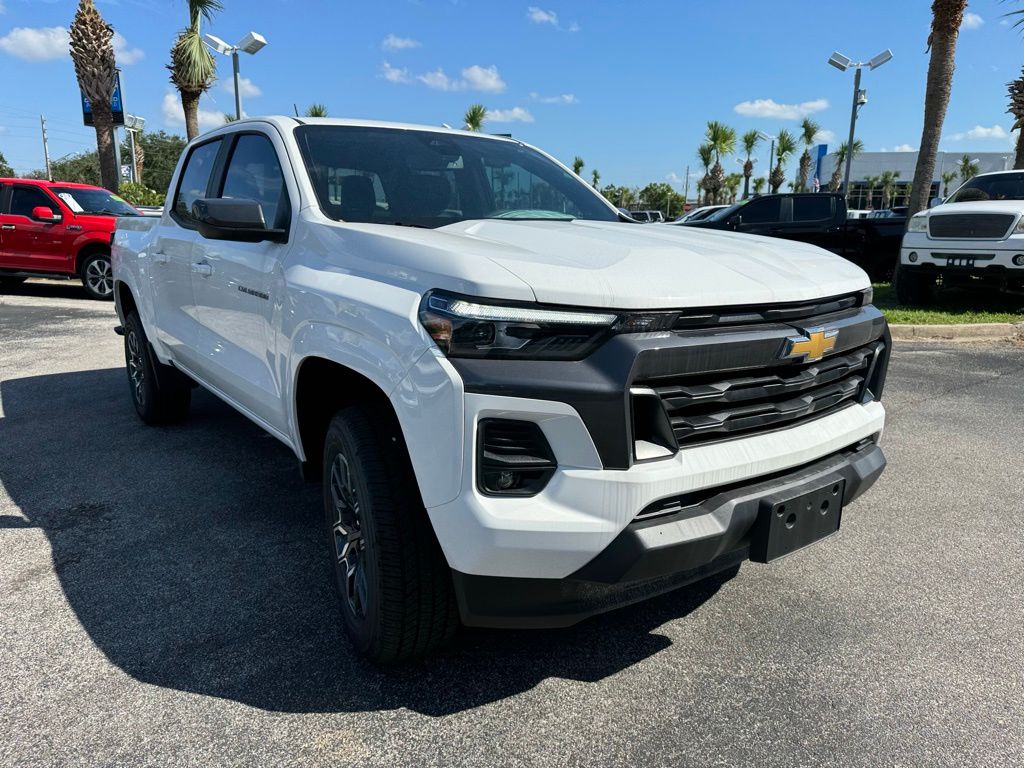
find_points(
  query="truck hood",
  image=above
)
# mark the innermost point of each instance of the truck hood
(980, 206)
(651, 266)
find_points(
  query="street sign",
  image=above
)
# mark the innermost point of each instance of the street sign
(116, 107)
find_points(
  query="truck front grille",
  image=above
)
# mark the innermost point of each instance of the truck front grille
(713, 407)
(990, 226)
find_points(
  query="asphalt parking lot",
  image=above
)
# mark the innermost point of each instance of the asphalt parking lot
(164, 600)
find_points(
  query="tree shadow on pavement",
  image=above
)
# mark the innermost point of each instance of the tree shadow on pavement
(192, 556)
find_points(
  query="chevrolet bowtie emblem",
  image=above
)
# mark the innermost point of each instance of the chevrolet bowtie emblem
(812, 347)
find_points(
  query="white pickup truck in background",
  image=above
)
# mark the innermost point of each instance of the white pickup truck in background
(974, 237)
(524, 408)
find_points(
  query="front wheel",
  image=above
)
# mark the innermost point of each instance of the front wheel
(394, 585)
(160, 393)
(913, 287)
(98, 276)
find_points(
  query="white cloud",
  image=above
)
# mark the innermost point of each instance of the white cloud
(125, 54)
(980, 132)
(972, 20)
(394, 74)
(174, 115)
(540, 16)
(770, 108)
(574, 27)
(674, 178)
(246, 87)
(514, 115)
(564, 98)
(396, 43)
(49, 43)
(904, 148)
(36, 43)
(824, 136)
(474, 78)
(2, 8)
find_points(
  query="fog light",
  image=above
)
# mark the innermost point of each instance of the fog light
(912, 257)
(1018, 260)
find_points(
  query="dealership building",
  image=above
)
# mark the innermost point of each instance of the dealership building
(868, 164)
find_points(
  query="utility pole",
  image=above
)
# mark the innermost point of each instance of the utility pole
(686, 189)
(46, 148)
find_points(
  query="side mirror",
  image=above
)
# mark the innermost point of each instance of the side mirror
(241, 220)
(736, 221)
(936, 201)
(43, 213)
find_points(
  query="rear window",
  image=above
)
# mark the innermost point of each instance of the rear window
(812, 208)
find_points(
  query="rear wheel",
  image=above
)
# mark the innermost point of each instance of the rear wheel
(913, 287)
(393, 582)
(160, 393)
(97, 276)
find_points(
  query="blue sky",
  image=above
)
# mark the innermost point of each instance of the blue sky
(628, 86)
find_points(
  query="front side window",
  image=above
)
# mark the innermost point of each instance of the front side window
(762, 211)
(429, 179)
(24, 199)
(195, 177)
(1001, 186)
(254, 173)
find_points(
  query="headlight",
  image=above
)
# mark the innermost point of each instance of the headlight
(867, 296)
(1019, 229)
(918, 223)
(466, 327)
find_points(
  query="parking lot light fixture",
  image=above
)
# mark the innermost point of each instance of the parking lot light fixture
(252, 43)
(843, 63)
(771, 152)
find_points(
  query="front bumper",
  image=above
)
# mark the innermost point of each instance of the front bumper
(659, 554)
(989, 258)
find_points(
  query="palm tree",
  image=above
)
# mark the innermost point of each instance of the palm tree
(785, 145)
(808, 130)
(706, 154)
(947, 16)
(722, 140)
(229, 118)
(749, 142)
(888, 182)
(732, 185)
(474, 117)
(1016, 90)
(947, 177)
(759, 183)
(92, 51)
(577, 165)
(596, 176)
(871, 182)
(316, 110)
(967, 168)
(192, 67)
(840, 168)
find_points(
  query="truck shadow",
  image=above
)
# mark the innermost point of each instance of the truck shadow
(192, 557)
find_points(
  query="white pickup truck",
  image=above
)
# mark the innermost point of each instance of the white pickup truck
(524, 408)
(976, 236)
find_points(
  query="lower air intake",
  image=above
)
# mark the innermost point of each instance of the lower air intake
(513, 458)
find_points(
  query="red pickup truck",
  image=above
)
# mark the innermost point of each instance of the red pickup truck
(58, 229)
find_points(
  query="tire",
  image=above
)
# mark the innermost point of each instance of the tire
(394, 585)
(160, 393)
(913, 287)
(7, 283)
(97, 276)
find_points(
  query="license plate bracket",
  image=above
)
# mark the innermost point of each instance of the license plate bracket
(786, 523)
(960, 261)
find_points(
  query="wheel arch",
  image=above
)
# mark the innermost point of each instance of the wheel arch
(90, 248)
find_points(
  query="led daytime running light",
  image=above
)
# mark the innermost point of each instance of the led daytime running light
(473, 311)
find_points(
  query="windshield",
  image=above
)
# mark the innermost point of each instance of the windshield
(84, 200)
(426, 179)
(1002, 186)
(723, 213)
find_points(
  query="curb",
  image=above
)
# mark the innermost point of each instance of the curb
(970, 332)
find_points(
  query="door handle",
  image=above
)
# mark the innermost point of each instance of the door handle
(161, 258)
(8, 227)
(202, 268)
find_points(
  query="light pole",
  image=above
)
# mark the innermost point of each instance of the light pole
(771, 156)
(133, 123)
(251, 43)
(843, 63)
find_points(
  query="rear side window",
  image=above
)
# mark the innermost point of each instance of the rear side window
(761, 211)
(24, 199)
(254, 173)
(812, 208)
(195, 177)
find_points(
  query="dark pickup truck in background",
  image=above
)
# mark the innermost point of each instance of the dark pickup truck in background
(820, 219)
